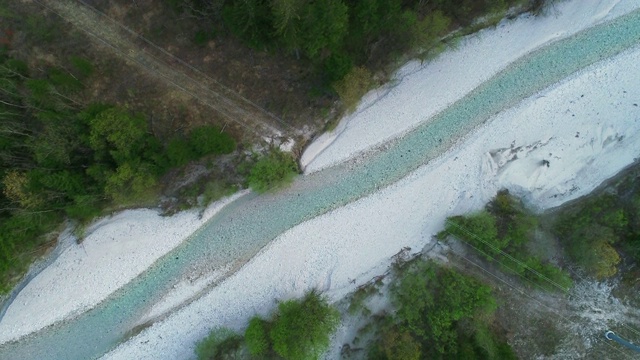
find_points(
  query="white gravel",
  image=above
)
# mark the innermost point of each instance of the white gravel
(116, 250)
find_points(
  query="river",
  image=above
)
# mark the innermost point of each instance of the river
(241, 229)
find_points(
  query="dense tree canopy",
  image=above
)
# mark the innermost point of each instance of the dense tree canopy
(337, 34)
(60, 158)
(439, 314)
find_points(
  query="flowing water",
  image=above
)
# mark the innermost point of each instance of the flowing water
(241, 229)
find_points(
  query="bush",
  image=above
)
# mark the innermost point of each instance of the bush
(354, 85)
(272, 171)
(591, 249)
(179, 152)
(209, 139)
(479, 230)
(547, 276)
(337, 66)
(220, 344)
(299, 330)
(302, 328)
(431, 301)
(84, 208)
(500, 234)
(400, 345)
(256, 337)
(439, 314)
(131, 183)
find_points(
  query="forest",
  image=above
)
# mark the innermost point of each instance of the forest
(62, 159)
(344, 42)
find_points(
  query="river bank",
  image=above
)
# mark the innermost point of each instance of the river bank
(115, 250)
(348, 245)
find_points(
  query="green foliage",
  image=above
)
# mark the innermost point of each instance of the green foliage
(547, 276)
(360, 296)
(431, 301)
(83, 66)
(20, 234)
(425, 33)
(337, 66)
(221, 343)
(115, 132)
(131, 183)
(591, 229)
(209, 139)
(590, 247)
(57, 159)
(272, 171)
(204, 140)
(324, 26)
(250, 20)
(500, 234)
(479, 229)
(302, 328)
(65, 81)
(256, 337)
(439, 314)
(179, 152)
(353, 86)
(400, 345)
(288, 22)
(17, 68)
(84, 207)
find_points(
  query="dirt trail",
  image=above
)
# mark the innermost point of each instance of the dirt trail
(161, 64)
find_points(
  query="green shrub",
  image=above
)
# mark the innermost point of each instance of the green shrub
(251, 21)
(131, 183)
(400, 345)
(479, 230)
(545, 275)
(431, 301)
(337, 66)
(302, 328)
(209, 139)
(221, 343)
(65, 81)
(179, 152)
(353, 86)
(84, 208)
(591, 249)
(500, 234)
(17, 68)
(439, 314)
(272, 171)
(256, 337)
